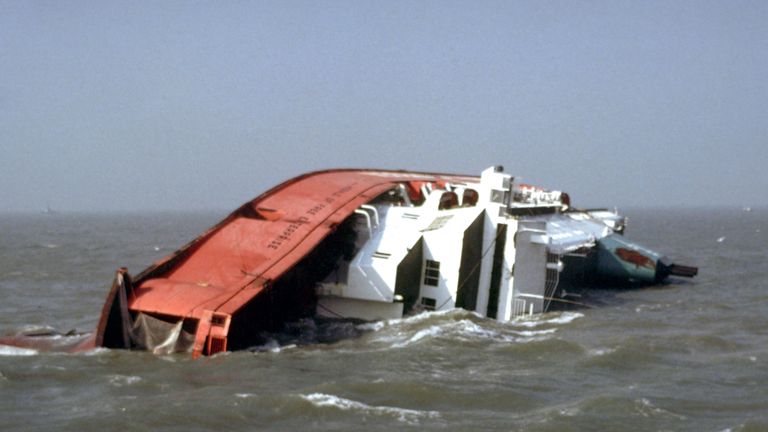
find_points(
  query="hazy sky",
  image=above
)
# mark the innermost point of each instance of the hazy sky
(186, 105)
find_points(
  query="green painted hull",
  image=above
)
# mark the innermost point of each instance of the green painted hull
(621, 260)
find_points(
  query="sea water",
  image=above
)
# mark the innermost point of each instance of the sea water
(684, 356)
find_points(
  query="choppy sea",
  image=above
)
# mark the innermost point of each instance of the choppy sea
(685, 356)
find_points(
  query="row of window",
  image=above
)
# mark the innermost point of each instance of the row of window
(432, 273)
(431, 278)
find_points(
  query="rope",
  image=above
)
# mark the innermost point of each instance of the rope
(330, 311)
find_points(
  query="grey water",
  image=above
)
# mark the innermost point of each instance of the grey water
(685, 356)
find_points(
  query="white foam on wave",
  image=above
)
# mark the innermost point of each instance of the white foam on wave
(401, 339)
(409, 320)
(372, 326)
(273, 346)
(429, 332)
(96, 351)
(527, 321)
(123, 380)
(404, 415)
(28, 329)
(461, 325)
(647, 409)
(534, 333)
(423, 316)
(12, 351)
(539, 320)
(601, 351)
(467, 330)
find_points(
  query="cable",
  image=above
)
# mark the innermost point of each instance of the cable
(330, 311)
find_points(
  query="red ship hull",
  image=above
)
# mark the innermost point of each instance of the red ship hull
(231, 281)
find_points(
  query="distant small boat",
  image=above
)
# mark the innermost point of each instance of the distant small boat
(48, 210)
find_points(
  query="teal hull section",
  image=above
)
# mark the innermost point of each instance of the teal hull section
(620, 259)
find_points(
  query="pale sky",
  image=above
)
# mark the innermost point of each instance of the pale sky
(113, 106)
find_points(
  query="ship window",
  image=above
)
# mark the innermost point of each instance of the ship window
(499, 196)
(432, 273)
(428, 303)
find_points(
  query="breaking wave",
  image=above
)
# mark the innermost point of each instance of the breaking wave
(409, 416)
(123, 380)
(546, 319)
(451, 326)
(462, 326)
(12, 351)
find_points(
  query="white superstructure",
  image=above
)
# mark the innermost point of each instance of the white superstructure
(493, 247)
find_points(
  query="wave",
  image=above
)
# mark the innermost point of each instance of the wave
(547, 319)
(12, 351)
(442, 327)
(123, 380)
(409, 416)
(463, 326)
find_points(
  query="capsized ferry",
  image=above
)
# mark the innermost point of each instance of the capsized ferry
(372, 245)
